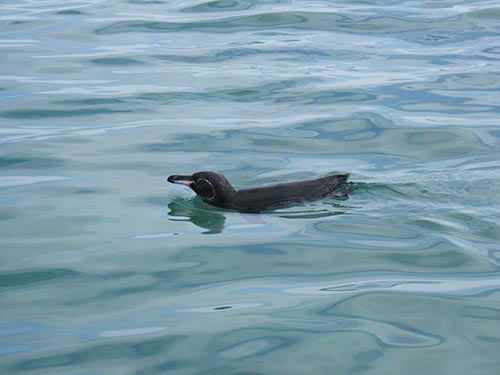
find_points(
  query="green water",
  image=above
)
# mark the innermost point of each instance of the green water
(105, 268)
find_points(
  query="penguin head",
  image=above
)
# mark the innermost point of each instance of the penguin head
(212, 187)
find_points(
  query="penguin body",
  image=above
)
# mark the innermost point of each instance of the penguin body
(216, 190)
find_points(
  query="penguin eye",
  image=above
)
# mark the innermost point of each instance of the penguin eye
(200, 181)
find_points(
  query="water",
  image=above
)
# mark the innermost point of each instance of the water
(107, 269)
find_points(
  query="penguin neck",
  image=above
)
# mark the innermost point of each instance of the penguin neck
(223, 194)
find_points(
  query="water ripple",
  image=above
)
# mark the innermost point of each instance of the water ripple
(107, 268)
(323, 21)
(14, 279)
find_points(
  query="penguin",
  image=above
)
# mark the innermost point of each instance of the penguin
(216, 190)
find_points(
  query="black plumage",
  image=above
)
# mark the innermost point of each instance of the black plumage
(216, 190)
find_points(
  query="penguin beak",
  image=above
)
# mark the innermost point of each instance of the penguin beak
(183, 180)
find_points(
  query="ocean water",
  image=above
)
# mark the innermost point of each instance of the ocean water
(105, 268)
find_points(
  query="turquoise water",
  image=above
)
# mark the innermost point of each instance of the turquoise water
(105, 268)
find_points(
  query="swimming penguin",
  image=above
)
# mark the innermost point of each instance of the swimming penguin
(216, 190)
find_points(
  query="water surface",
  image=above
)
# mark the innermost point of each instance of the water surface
(107, 269)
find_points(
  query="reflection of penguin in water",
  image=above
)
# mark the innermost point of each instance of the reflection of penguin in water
(210, 220)
(216, 190)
